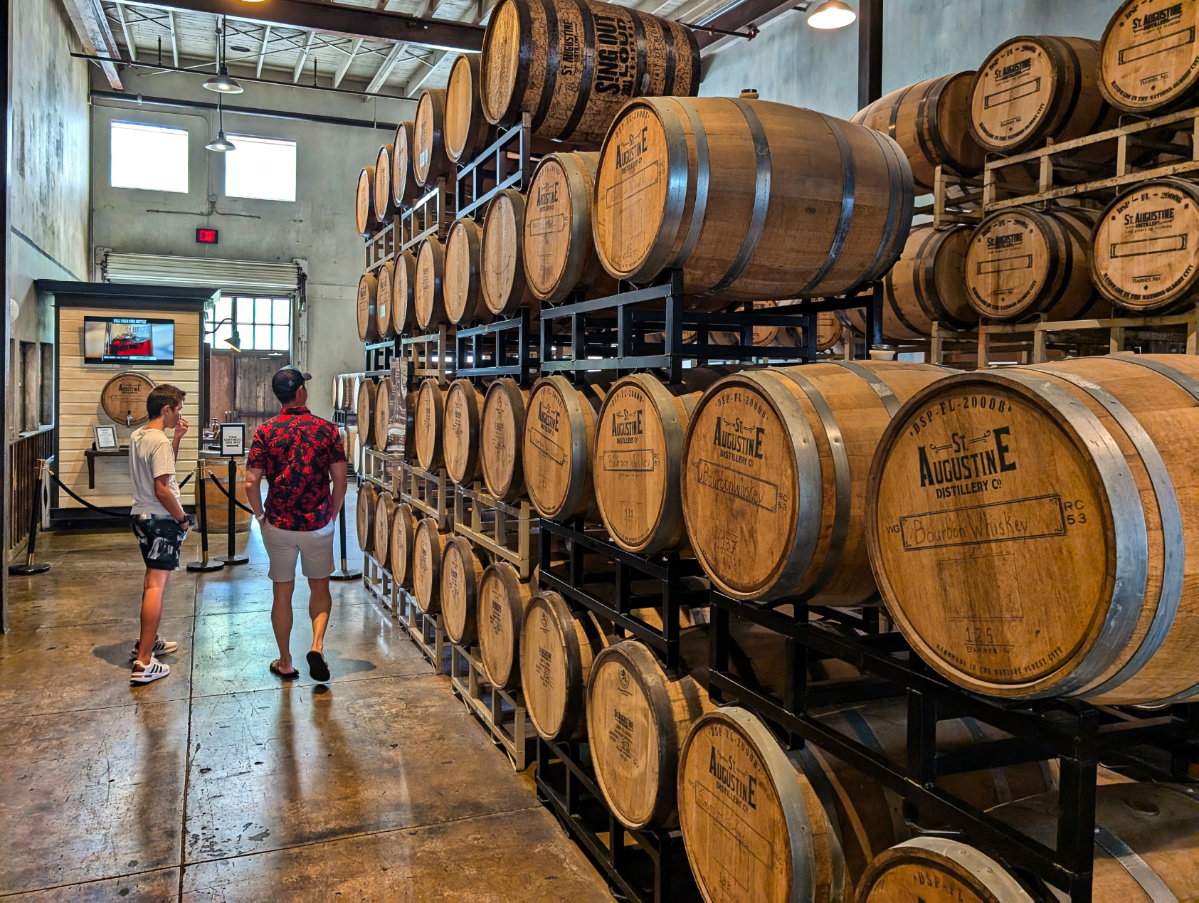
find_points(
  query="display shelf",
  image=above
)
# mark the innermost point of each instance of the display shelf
(506, 163)
(505, 531)
(379, 467)
(502, 348)
(502, 713)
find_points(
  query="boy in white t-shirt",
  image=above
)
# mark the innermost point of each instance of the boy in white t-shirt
(159, 521)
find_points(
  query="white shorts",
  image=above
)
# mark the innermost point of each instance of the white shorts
(313, 547)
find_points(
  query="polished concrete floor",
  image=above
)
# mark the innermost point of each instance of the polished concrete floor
(219, 782)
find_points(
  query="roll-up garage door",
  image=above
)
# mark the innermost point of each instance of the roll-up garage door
(230, 276)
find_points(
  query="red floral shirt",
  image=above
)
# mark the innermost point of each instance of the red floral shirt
(295, 452)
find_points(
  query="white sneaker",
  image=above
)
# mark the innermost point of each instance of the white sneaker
(144, 674)
(161, 647)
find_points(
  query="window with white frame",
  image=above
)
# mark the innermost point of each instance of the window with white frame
(261, 168)
(149, 157)
(262, 324)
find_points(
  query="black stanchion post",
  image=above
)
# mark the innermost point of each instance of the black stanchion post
(345, 572)
(31, 567)
(204, 564)
(233, 557)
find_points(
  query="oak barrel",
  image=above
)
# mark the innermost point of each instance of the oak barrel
(558, 250)
(1148, 58)
(467, 130)
(1033, 532)
(638, 458)
(829, 331)
(368, 295)
(124, 396)
(463, 289)
(774, 476)
(368, 496)
(384, 201)
(573, 63)
(1146, 849)
(406, 427)
(384, 512)
(756, 200)
(365, 410)
(428, 294)
(558, 445)
(381, 414)
(460, 432)
(429, 160)
(930, 121)
(401, 540)
(461, 576)
(503, 598)
(404, 187)
(1144, 247)
(501, 441)
(384, 316)
(1036, 87)
(430, 414)
(505, 288)
(403, 291)
(763, 823)
(428, 547)
(364, 201)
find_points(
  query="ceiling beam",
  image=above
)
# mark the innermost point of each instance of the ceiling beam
(737, 16)
(302, 58)
(389, 63)
(266, 39)
(345, 65)
(355, 21)
(415, 81)
(92, 27)
(129, 44)
(174, 39)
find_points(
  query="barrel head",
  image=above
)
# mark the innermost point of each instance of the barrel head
(1013, 93)
(1008, 264)
(1149, 58)
(501, 437)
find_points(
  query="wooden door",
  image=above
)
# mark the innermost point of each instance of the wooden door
(240, 386)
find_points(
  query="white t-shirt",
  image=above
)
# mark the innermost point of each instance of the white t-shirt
(150, 456)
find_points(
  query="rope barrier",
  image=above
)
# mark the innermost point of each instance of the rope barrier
(225, 493)
(108, 512)
(187, 479)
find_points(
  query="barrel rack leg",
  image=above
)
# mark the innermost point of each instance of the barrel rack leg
(233, 557)
(205, 563)
(31, 567)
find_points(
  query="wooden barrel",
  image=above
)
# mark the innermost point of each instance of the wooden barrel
(365, 410)
(430, 162)
(123, 398)
(502, 430)
(828, 331)
(384, 316)
(430, 414)
(381, 414)
(927, 285)
(638, 458)
(406, 439)
(774, 476)
(787, 203)
(558, 250)
(368, 496)
(460, 432)
(403, 291)
(1036, 87)
(573, 63)
(503, 598)
(1022, 262)
(364, 206)
(467, 130)
(217, 502)
(505, 288)
(1144, 247)
(428, 547)
(368, 295)
(558, 445)
(461, 576)
(1065, 490)
(930, 121)
(463, 287)
(1148, 58)
(1146, 849)
(428, 295)
(404, 187)
(381, 525)
(401, 541)
(763, 823)
(385, 205)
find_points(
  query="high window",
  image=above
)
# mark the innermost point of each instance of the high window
(150, 157)
(261, 168)
(262, 324)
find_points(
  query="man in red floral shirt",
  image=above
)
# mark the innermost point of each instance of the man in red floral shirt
(298, 453)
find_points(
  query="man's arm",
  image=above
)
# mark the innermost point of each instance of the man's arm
(338, 472)
(166, 498)
(254, 491)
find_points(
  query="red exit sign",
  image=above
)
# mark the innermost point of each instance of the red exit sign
(206, 236)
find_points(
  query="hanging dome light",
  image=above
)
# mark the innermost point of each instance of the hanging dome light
(832, 14)
(220, 144)
(223, 82)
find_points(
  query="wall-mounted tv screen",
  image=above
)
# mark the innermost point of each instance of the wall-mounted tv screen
(128, 340)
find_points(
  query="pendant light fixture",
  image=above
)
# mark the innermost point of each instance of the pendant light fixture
(220, 144)
(222, 82)
(832, 14)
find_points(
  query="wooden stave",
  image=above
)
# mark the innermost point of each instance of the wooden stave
(368, 291)
(403, 532)
(428, 548)
(501, 661)
(381, 414)
(366, 406)
(460, 432)
(429, 291)
(404, 187)
(365, 517)
(403, 289)
(1130, 653)
(581, 268)
(430, 414)
(430, 163)
(381, 527)
(503, 483)
(462, 572)
(382, 198)
(364, 202)
(919, 118)
(817, 558)
(576, 111)
(462, 145)
(1068, 293)
(518, 294)
(581, 405)
(1183, 293)
(384, 316)
(462, 282)
(717, 273)
(1182, 93)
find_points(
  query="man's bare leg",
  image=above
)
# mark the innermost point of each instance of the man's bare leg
(153, 588)
(320, 603)
(281, 621)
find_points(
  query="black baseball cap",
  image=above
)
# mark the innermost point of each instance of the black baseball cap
(287, 381)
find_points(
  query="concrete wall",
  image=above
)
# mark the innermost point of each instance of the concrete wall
(318, 227)
(793, 63)
(48, 195)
